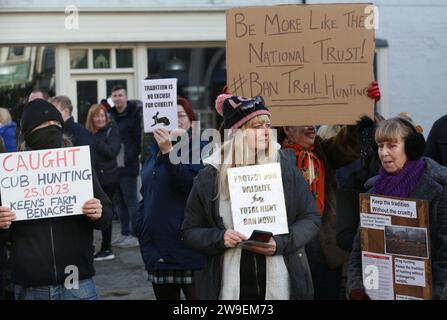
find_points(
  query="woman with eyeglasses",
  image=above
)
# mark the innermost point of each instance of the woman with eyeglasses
(165, 189)
(279, 271)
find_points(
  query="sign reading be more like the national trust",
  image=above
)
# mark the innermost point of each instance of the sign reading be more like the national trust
(46, 183)
(312, 64)
(257, 199)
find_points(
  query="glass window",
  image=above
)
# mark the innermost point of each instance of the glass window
(101, 58)
(87, 93)
(124, 58)
(16, 52)
(31, 68)
(78, 59)
(111, 83)
(201, 74)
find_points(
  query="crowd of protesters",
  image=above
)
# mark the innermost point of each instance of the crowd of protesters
(183, 223)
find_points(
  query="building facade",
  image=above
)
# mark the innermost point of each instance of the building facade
(82, 48)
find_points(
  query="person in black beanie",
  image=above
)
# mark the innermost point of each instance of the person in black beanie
(42, 249)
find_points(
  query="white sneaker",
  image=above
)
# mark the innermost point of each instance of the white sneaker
(129, 242)
(119, 238)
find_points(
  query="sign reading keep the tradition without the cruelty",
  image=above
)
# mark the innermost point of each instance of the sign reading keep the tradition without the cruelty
(46, 183)
(311, 63)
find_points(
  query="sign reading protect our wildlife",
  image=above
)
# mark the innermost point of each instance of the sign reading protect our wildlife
(46, 183)
(160, 104)
(312, 64)
(257, 199)
(395, 247)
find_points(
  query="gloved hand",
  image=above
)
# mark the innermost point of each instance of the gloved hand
(359, 294)
(374, 91)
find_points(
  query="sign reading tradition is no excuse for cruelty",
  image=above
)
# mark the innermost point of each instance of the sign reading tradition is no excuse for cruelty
(257, 199)
(46, 183)
(312, 64)
(160, 104)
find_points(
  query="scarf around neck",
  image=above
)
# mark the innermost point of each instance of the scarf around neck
(401, 184)
(312, 169)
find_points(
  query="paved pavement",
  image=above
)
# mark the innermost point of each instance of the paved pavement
(123, 278)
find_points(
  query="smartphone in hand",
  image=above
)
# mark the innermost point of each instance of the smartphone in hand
(261, 236)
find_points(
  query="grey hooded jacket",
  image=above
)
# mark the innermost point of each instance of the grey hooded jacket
(203, 229)
(432, 187)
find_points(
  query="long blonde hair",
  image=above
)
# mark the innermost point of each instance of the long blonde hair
(93, 111)
(235, 152)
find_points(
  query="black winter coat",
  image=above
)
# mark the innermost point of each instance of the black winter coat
(203, 229)
(437, 141)
(129, 125)
(107, 146)
(42, 249)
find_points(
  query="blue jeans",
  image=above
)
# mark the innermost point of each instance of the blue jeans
(86, 291)
(126, 202)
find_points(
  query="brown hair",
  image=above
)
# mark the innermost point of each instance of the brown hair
(93, 111)
(188, 108)
(64, 102)
(391, 130)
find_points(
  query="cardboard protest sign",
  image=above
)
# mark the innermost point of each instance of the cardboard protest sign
(395, 242)
(312, 64)
(46, 183)
(257, 199)
(160, 104)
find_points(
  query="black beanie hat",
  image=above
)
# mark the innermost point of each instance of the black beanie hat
(37, 112)
(236, 111)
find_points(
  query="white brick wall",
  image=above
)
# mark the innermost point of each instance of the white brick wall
(416, 31)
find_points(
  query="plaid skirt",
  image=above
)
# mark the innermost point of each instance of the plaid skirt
(171, 276)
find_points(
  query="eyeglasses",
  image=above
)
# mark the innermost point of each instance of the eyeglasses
(256, 101)
(181, 115)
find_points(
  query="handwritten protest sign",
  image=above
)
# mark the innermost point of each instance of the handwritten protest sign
(257, 199)
(160, 104)
(311, 63)
(46, 183)
(395, 230)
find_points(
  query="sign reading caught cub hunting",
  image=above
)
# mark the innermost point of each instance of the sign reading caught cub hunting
(312, 64)
(257, 199)
(395, 247)
(46, 183)
(160, 104)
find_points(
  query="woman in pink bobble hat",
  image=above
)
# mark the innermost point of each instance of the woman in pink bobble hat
(279, 271)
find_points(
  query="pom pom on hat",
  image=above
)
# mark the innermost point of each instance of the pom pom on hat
(220, 101)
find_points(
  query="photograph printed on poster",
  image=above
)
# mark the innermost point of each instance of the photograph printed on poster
(406, 241)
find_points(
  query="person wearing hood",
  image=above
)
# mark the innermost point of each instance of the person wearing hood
(279, 271)
(165, 188)
(42, 249)
(406, 173)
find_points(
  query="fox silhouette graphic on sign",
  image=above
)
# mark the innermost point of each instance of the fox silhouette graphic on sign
(158, 120)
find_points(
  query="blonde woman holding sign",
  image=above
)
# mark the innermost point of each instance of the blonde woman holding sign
(279, 271)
